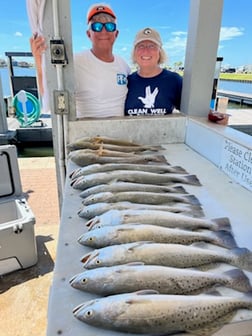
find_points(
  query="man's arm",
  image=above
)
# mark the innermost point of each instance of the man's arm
(38, 47)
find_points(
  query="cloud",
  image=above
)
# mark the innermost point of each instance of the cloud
(228, 33)
(177, 44)
(179, 33)
(18, 34)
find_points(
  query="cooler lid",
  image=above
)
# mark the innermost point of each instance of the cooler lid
(10, 182)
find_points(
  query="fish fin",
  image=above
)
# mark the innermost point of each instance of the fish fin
(192, 179)
(223, 223)
(147, 292)
(238, 280)
(192, 199)
(225, 239)
(200, 244)
(135, 263)
(137, 244)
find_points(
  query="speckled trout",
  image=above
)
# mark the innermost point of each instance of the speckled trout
(158, 217)
(86, 157)
(129, 233)
(153, 168)
(173, 255)
(98, 209)
(107, 140)
(158, 314)
(140, 197)
(91, 180)
(166, 280)
(129, 186)
(130, 148)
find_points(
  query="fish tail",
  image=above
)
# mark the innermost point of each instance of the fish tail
(225, 239)
(191, 199)
(196, 211)
(238, 280)
(153, 148)
(192, 179)
(180, 189)
(242, 258)
(158, 158)
(179, 170)
(223, 224)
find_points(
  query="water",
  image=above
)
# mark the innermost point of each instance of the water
(235, 86)
(222, 85)
(4, 76)
(35, 151)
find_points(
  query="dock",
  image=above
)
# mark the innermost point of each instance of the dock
(40, 132)
(240, 97)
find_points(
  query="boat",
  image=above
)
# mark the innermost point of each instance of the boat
(27, 125)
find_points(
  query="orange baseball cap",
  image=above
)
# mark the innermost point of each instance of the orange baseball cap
(99, 9)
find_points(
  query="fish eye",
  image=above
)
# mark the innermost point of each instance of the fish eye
(90, 238)
(89, 313)
(84, 280)
(97, 261)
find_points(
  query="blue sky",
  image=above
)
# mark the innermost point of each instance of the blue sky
(169, 17)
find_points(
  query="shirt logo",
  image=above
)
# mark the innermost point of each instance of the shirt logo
(150, 97)
(121, 79)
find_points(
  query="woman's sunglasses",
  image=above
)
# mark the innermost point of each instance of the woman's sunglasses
(109, 26)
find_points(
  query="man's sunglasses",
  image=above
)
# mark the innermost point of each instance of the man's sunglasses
(109, 26)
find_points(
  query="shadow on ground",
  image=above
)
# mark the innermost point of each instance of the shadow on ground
(44, 265)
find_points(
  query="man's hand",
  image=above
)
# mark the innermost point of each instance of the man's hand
(38, 47)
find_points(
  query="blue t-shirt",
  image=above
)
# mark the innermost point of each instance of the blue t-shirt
(157, 95)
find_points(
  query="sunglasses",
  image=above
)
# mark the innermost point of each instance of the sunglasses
(98, 26)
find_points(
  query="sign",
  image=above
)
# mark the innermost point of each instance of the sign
(236, 162)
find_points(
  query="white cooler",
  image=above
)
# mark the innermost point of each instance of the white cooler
(18, 247)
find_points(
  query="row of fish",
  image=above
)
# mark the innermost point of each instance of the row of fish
(155, 256)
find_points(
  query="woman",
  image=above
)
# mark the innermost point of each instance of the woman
(152, 90)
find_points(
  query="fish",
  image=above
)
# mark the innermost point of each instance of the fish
(153, 168)
(129, 233)
(103, 152)
(166, 280)
(97, 209)
(140, 197)
(158, 217)
(173, 255)
(130, 148)
(103, 139)
(86, 158)
(92, 180)
(128, 186)
(147, 312)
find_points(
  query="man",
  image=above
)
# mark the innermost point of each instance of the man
(100, 76)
